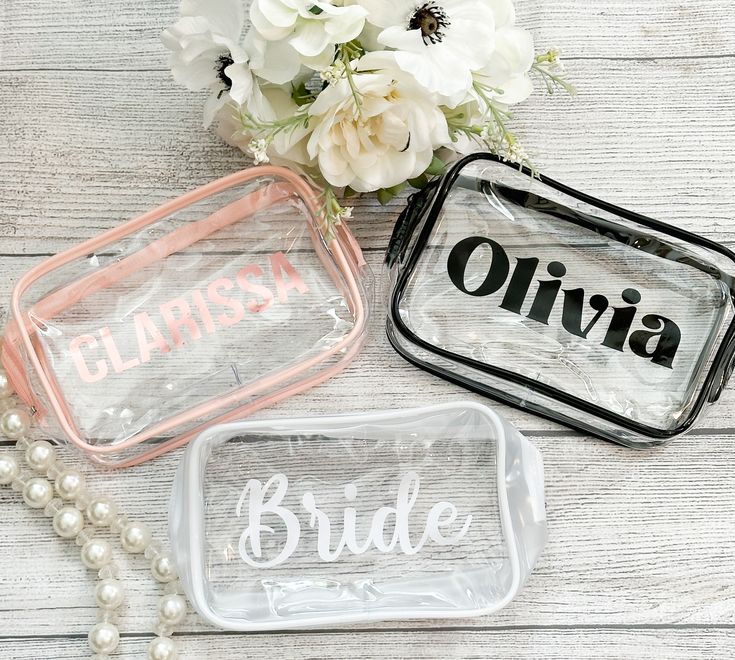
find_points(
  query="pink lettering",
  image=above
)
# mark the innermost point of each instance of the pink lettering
(235, 305)
(75, 350)
(144, 328)
(280, 265)
(203, 310)
(184, 320)
(263, 291)
(117, 364)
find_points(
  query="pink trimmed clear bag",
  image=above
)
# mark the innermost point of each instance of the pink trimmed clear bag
(204, 310)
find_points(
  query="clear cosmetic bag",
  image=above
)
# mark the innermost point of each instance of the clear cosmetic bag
(204, 310)
(527, 291)
(430, 512)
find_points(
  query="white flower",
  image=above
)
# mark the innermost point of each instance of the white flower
(517, 154)
(379, 134)
(507, 72)
(258, 148)
(439, 42)
(311, 28)
(344, 213)
(333, 73)
(206, 53)
(274, 61)
(287, 148)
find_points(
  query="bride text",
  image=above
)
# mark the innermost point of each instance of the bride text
(260, 501)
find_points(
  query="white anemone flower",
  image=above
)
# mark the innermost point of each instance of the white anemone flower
(439, 42)
(505, 77)
(206, 54)
(274, 61)
(310, 27)
(507, 72)
(377, 129)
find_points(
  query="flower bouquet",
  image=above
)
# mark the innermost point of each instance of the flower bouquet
(360, 96)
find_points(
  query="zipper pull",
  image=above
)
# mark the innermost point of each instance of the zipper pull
(407, 221)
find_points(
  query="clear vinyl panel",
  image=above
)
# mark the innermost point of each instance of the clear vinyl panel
(208, 304)
(394, 515)
(523, 291)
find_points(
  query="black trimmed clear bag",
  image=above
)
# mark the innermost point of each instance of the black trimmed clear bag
(532, 293)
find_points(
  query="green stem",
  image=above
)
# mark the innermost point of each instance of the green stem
(548, 67)
(268, 130)
(346, 53)
(331, 212)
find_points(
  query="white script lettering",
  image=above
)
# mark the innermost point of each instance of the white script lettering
(260, 500)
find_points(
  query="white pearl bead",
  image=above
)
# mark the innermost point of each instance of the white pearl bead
(172, 609)
(40, 456)
(37, 493)
(101, 511)
(109, 594)
(96, 553)
(15, 423)
(163, 568)
(103, 638)
(9, 469)
(68, 522)
(135, 537)
(6, 389)
(162, 648)
(69, 484)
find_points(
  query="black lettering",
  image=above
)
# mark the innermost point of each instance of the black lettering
(622, 319)
(546, 295)
(571, 317)
(520, 282)
(668, 343)
(666, 333)
(460, 256)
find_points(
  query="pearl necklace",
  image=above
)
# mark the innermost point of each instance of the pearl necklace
(77, 514)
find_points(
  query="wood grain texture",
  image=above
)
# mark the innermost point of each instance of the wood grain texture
(557, 644)
(73, 35)
(641, 555)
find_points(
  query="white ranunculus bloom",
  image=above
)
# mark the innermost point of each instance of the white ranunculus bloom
(206, 54)
(388, 137)
(439, 42)
(310, 27)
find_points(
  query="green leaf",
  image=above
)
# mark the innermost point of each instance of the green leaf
(315, 10)
(419, 182)
(349, 192)
(396, 190)
(385, 195)
(301, 95)
(435, 167)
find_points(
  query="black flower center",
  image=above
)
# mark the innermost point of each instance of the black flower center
(431, 19)
(223, 61)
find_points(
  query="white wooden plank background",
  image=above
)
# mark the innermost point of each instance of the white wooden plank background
(641, 557)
